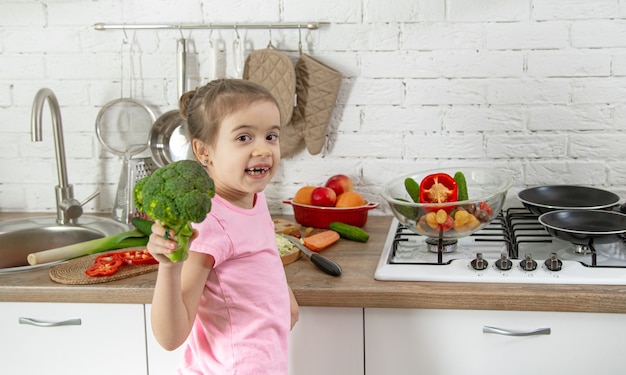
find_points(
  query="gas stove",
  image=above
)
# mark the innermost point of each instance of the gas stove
(513, 248)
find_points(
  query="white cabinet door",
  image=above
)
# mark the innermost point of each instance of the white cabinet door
(452, 342)
(72, 338)
(325, 341)
(160, 361)
(328, 341)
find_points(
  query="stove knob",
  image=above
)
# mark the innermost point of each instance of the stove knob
(479, 263)
(504, 263)
(553, 263)
(528, 264)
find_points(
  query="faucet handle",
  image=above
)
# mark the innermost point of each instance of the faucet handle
(90, 198)
(70, 208)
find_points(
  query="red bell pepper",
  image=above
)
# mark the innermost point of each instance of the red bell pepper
(104, 268)
(439, 188)
(107, 258)
(138, 257)
(109, 263)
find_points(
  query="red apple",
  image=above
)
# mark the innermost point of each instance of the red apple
(339, 183)
(323, 196)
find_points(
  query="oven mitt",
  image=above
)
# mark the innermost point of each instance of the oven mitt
(317, 87)
(273, 70)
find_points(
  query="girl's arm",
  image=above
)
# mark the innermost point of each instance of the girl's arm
(177, 291)
(295, 309)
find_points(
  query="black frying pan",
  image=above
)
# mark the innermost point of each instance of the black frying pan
(542, 199)
(585, 227)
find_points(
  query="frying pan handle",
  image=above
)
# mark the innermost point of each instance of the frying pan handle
(182, 66)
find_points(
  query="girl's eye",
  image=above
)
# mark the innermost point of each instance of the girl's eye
(272, 137)
(244, 138)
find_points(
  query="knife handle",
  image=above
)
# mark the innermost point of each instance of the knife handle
(326, 265)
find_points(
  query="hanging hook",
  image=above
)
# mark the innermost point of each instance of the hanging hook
(125, 40)
(236, 32)
(238, 54)
(300, 39)
(123, 48)
(180, 30)
(270, 45)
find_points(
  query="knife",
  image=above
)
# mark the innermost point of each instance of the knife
(321, 262)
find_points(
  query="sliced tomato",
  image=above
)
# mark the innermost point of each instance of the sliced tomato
(104, 268)
(486, 207)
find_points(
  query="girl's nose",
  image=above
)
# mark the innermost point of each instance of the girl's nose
(262, 149)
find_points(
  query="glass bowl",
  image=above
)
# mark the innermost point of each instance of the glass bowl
(486, 189)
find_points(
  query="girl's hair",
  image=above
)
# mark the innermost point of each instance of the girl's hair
(205, 107)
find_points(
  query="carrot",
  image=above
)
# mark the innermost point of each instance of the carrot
(321, 240)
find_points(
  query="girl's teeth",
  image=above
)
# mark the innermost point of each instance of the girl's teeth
(256, 170)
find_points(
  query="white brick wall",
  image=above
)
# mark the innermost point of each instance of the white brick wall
(534, 87)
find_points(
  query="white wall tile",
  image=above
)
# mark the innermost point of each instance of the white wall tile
(537, 88)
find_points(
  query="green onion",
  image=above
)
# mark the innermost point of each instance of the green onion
(83, 248)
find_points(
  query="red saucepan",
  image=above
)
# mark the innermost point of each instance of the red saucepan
(542, 199)
(585, 227)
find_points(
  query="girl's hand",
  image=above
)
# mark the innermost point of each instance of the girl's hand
(159, 244)
(294, 308)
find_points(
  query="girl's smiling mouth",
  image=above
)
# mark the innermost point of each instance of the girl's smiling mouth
(257, 171)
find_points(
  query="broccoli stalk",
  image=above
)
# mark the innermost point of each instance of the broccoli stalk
(176, 195)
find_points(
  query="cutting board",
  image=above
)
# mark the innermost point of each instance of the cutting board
(283, 226)
(73, 272)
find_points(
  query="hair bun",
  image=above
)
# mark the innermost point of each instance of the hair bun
(183, 102)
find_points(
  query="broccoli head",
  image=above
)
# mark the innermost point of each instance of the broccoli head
(176, 195)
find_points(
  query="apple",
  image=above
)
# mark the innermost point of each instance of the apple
(339, 183)
(323, 196)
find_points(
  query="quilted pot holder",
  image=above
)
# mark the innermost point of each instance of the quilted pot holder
(273, 70)
(317, 88)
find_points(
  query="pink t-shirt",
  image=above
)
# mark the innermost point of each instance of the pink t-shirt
(243, 321)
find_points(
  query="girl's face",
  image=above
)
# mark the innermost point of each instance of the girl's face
(246, 153)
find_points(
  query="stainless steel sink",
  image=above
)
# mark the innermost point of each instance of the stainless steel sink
(20, 237)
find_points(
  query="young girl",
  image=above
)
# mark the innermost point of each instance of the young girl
(229, 301)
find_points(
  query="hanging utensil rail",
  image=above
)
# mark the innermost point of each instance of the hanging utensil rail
(294, 25)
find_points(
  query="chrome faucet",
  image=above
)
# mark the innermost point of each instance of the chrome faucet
(68, 208)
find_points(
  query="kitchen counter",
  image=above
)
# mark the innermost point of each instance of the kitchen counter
(355, 288)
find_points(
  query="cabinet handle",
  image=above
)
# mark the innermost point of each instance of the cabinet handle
(508, 332)
(40, 323)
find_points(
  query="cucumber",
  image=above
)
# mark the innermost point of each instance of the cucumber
(411, 213)
(143, 225)
(413, 188)
(349, 232)
(461, 184)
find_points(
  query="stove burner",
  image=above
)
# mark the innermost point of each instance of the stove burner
(582, 249)
(512, 235)
(445, 246)
(513, 248)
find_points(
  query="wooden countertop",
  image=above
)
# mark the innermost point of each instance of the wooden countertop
(355, 288)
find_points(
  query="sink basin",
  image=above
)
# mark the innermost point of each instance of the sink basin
(20, 237)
